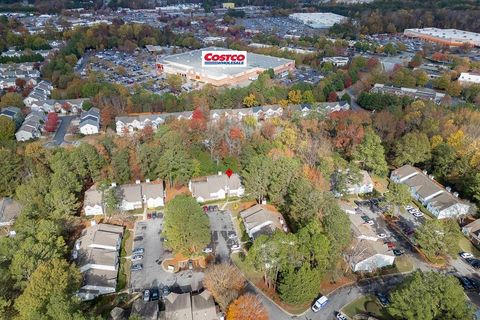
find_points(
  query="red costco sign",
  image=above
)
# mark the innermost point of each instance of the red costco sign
(224, 58)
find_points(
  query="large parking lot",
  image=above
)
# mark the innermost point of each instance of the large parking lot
(147, 236)
(224, 236)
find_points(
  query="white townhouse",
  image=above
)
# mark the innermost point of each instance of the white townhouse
(438, 200)
(96, 253)
(216, 187)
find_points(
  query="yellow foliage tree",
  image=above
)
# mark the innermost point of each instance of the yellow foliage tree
(250, 101)
(247, 307)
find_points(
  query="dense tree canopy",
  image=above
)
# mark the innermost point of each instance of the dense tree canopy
(429, 296)
(186, 227)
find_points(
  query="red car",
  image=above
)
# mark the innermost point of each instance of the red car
(391, 245)
(149, 216)
(205, 209)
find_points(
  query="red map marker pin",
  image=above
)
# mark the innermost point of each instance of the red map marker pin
(229, 172)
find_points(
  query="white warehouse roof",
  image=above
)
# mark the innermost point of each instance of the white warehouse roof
(318, 20)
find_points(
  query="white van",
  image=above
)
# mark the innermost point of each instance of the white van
(319, 304)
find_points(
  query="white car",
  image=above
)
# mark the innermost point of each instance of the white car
(146, 295)
(319, 304)
(381, 235)
(341, 316)
(418, 214)
(466, 255)
(235, 246)
(370, 222)
(232, 236)
(408, 207)
(137, 257)
(208, 250)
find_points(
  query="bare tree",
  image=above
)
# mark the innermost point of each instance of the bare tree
(225, 282)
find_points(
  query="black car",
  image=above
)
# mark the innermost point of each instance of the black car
(165, 291)
(138, 238)
(474, 262)
(398, 252)
(382, 298)
(466, 283)
(154, 295)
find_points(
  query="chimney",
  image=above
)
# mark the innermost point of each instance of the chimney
(137, 181)
(147, 180)
(114, 184)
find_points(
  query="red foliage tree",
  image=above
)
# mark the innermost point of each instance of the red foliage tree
(332, 96)
(51, 123)
(347, 82)
(199, 120)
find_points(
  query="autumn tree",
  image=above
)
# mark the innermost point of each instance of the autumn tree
(225, 282)
(7, 129)
(294, 96)
(247, 307)
(250, 101)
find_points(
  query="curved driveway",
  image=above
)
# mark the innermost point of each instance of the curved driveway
(337, 300)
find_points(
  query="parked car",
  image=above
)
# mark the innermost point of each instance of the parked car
(137, 257)
(319, 304)
(146, 295)
(235, 246)
(232, 235)
(398, 252)
(138, 238)
(466, 255)
(154, 215)
(205, 209)
(208, 250)
(137, 267)
(418, 214)
(190, 264)
(165, 291)
(154, 296)
(149, 216)
(409, 207)
(382, 298)
(138, 251)
(391, 245)
(341, 316)
(381, 235)
(466, 283)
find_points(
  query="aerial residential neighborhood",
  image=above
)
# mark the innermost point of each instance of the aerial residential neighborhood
(244, 160)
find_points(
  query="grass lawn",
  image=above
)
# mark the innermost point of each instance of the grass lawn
(467, 246)
(124, 270)
(248, 271)
(364, 305)
(403, 264)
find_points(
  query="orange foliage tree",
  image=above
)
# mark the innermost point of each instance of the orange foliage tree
(225, 282)
(247, 307)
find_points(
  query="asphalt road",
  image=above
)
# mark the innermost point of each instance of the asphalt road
(59, 137)
(336, 301)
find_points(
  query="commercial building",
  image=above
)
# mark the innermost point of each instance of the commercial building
(448, 37)
(96, 253)
(467, 79)
(318, 20)
(189, 66)
(414, 93)
(437, 199)
(337, 61)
